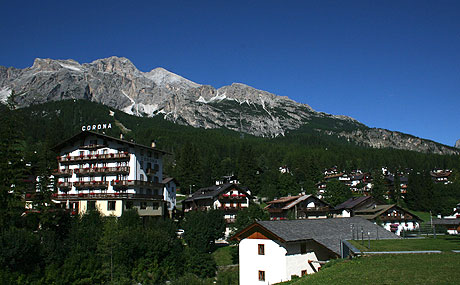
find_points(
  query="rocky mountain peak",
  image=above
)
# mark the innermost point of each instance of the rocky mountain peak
(116, 82)
(457, 144)
(163, 77)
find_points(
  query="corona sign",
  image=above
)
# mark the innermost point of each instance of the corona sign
(96, 127)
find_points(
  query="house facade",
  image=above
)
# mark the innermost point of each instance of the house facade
(275, 251)
(298, 207)
(230, 198)
(111, 175)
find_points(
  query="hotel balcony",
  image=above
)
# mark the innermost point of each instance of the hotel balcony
(64, 185)
(313, 209)
(62, 172)
(102, 170)
(134, 183)
(93, 157)
(91, 184)
(92, 195)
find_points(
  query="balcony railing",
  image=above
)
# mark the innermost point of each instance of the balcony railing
(93, 146)
(396, 218)
(62, 172)
(64, 184)
(102, 170)
(314, 209)
(92, 157)
(133, 183)
(106, 196)
(91, 184)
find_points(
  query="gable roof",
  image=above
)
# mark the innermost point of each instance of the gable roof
(353, 202)
(373, 212)
(88, 133)
(302, 198)
(214, 191)
(328, 232)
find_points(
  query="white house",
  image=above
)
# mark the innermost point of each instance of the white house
(274, 251)
(96, 171)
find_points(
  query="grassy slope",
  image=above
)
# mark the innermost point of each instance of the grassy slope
(390, 269)
(443, 243)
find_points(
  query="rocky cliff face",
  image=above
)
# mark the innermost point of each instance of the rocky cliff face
(116, 82)
(457, 144)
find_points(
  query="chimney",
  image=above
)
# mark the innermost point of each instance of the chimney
(153, 144)
(121, 136)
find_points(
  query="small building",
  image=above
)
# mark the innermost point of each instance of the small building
(111, 175)
(275, 251)
(392, 217)
(441, 175)
(348, 208)
(298, 207)
(230, 198)
(169, 193)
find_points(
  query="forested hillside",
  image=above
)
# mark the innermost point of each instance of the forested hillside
(200, 156)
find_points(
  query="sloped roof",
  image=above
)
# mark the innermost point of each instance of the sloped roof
(327, 232)
(284, 199)
(373, 212)
(352, 202)
(87, 133)
(214, 191)
(300, 199)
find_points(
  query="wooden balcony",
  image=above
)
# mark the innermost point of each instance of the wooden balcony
(91, 184)
(93, 146)
(102, 170)
(134, 183)
(313, 209)
(396, 218)
(93, 157)
(275, 210)
(64, 185)
(62, 172)
(86, 196)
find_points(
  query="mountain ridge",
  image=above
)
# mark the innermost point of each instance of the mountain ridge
(116, 82)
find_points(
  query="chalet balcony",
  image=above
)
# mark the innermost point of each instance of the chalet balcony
(102, 170)
(230, 220)
(64, 185)
(93, 157)
(62, 172)
(225, 198)
(91, 184)
(93, 146)
(314, 209)
(231, 210)
(396, 218)
(134, 183)
(92, 195)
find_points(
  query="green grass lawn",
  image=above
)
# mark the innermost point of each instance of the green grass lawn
(389, 269)
(425, 216)
(223, 255)
(441, 242)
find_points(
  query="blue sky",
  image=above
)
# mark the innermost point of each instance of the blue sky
(388, 64)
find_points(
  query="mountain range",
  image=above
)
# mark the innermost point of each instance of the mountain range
(117, 83)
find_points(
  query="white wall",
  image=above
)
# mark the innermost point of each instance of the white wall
(273, 262)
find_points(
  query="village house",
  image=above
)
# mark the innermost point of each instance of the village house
(298, 207)
(230, 198)
(275, 251)
(111, 175)
(392, 217)
(441, 175)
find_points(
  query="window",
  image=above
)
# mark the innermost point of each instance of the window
(261, 275)
(261, 249)
(142, 152)
(111, 205)
(155, 206)
(93, 142)
(143, 205)
(141, 177)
